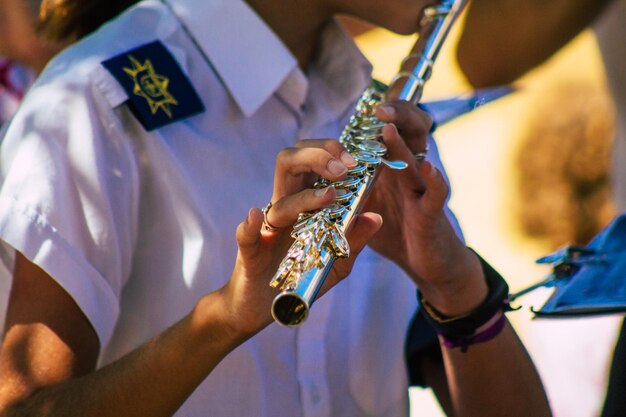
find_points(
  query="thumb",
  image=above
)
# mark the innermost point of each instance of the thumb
(249, 232)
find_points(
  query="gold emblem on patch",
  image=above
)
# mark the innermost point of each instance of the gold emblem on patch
(151, 86)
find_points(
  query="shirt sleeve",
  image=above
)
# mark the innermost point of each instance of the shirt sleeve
(68, 196)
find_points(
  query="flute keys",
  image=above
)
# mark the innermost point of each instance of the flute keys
(322, 183)
(278, 281)
(357, 171)
(369, 159)
(349, 183)
(343, 196)
(369, 130)
(336, 211)
(373, 146)
(366, 107)
(435, 12)
(372, 160)
(394, 164)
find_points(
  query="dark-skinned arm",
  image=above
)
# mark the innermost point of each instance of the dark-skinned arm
(504, 39)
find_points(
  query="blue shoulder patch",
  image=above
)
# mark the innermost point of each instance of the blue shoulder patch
(158, 90)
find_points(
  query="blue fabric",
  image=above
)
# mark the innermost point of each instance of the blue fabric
(158, 91)
(444, 111)
(594, 281)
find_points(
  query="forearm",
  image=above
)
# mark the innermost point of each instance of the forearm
(495, 378)
(154, 380)
(503, 39)
(489, 372)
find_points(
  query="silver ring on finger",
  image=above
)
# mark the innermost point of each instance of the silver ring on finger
(421, 156)
(268, 226)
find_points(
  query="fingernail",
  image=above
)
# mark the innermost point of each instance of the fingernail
(347, 159)
(336, 167)
(321, 192)
(387, 110)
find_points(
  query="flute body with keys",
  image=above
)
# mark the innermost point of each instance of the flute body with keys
(320, 236)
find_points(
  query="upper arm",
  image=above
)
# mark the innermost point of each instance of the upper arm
(503, 39)
(69, 196)
(47, 338)
(69, 203)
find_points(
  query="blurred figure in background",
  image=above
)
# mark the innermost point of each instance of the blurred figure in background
(503, 39)
(33, 31)
(66, 21)
(18, 39)
(22, 52)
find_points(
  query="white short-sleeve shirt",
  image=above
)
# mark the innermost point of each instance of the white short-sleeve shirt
(138, 225)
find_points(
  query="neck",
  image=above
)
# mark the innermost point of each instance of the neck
(301, 28)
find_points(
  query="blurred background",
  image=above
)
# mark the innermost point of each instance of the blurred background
(529, 175)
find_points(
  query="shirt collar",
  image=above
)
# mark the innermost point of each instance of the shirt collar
(249, 58)
(337, 75)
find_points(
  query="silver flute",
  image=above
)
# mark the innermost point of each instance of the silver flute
(320, 236)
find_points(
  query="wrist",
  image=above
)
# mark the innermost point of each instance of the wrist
(212, 319)
(481, 324)
(462, 290)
